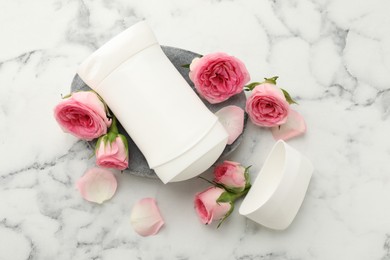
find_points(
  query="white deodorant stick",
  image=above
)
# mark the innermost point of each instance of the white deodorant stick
(179, 137)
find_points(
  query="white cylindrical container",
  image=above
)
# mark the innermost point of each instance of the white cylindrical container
(278, 191)
(179, 137)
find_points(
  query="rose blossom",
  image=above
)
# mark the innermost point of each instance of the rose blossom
(112, 154)
(206, 205)
(231, 175)
(267, 106)
(218, 76)
(83, 115)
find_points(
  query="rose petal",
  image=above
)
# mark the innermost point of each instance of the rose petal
(232, 119)
(294, 126)
(146, 218)
(97, 185)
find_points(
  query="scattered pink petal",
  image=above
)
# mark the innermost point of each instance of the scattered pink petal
(146, 218)
(97, 185)
(294, 126)
(232, 119)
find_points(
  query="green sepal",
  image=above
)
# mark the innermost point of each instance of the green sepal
(271, 80)
(251, 86)
(67, 96)
(226, 196)
(234, 190)
(124, 140)
(247, 177)
(114, 127)
(288, 97)
(111, 137)
(101, 138)
(226, 215)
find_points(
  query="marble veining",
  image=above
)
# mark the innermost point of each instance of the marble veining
(332, 55)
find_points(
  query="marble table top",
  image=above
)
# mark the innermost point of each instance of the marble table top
(333, 56)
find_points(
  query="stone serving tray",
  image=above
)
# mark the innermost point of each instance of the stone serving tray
(137, 162)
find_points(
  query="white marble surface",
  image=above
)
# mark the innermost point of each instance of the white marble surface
(333, 55)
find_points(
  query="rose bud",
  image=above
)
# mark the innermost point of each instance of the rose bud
(207, 207)
(112, 149)
(232, 175)
(267, 106)
(112, 154)
(83, 115)
(218, 76)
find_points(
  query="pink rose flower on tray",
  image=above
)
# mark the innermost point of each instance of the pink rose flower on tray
(267, 105)
(83, 115)
(112, 149)
(218, 76)
(207, 207)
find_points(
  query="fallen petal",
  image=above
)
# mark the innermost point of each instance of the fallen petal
(146, 218)
(294, 126)
(97, 185)
(232, 119)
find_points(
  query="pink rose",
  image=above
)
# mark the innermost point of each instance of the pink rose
(231, 175)
(112, 154)
(267, 106)
(218, 76)
(206, 205)
(82, 114)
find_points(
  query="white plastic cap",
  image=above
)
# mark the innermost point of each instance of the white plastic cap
(278, 191)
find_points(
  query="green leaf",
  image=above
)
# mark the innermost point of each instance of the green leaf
(124, 140)
(187, 66)
(247, 177)
(67, 96)
(226, 197)
(101, 139)
(234, 190)
(114, 127)
(288, 97)
(111, 137)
